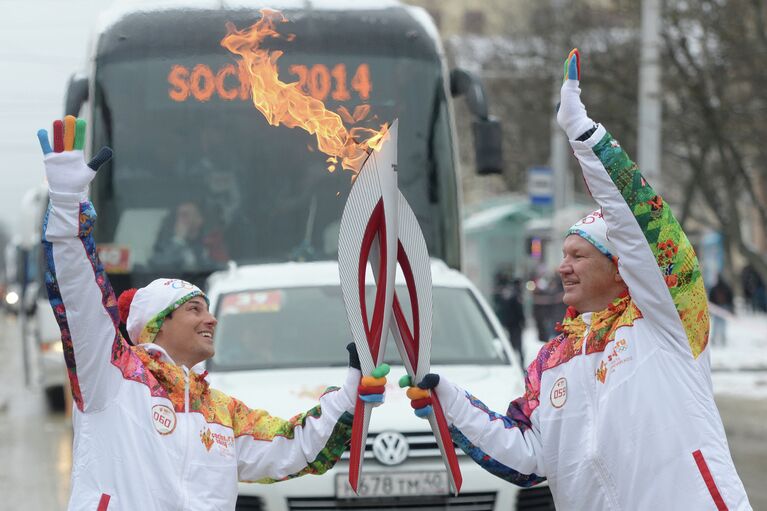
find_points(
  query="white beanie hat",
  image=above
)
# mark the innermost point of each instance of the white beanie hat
(148, 307)
(593, 229)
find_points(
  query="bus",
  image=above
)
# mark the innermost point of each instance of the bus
(200, 180)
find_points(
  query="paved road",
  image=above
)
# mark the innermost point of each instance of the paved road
(35, 446)
(745, 421)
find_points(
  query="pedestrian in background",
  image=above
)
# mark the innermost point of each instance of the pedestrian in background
(721, 296)
(548, 308)
(508, 302)
(754, 291)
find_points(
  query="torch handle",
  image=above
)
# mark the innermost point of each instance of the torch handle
(445, 441)
(359, 438)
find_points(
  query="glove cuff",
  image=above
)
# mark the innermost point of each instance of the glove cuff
(572, 116)
(67, 172)
(67, 198)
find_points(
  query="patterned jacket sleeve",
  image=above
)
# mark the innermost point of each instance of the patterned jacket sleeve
(83, 301)
(655, 258)
(508, 446)
(270, 449)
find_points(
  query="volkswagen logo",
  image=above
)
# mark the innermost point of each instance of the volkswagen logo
(390, 448)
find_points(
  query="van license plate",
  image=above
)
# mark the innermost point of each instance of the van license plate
(393, 484)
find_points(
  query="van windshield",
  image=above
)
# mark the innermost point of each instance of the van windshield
(307, 327)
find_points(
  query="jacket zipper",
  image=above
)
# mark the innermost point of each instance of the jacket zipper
(597, 461)
(184, 495)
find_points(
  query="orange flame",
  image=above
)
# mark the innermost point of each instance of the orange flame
(286, 104)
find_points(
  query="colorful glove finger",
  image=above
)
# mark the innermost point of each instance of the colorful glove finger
(371, 389)
(420, 395)
(68, 135)
(572, 66)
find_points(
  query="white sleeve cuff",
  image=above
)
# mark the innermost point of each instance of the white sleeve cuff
(68, 198)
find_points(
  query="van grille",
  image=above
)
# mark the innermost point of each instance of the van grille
(463, 502)
(535, 499)
(422, 445)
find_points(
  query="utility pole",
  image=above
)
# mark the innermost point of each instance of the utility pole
(559, 157)
(650, 94)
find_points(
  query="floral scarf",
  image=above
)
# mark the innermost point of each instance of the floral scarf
(171, 378)
(621, 312)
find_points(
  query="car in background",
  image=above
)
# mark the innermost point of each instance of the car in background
(280, 340)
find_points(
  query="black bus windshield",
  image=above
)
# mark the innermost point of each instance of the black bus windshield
(199, 176)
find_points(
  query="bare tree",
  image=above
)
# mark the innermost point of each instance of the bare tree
(715, 102)
(715, 99)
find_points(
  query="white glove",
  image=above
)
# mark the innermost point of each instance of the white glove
(65, 166)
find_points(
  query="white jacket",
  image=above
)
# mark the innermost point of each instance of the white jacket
(148, 434)
(619, 410)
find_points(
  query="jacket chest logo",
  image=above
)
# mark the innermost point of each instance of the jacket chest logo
(613, 360)
(207, 438)
(225, 442)
(164, 419)
(559, 393)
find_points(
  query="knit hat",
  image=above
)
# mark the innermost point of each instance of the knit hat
(144, 310)
(593, 229)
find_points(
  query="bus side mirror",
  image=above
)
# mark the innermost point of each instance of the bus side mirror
(77, 94)
(487, 146)
(486, 129)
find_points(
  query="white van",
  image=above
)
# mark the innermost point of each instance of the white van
(280, 343)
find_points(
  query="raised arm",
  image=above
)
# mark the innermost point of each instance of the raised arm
(79, 291)
(655, 258)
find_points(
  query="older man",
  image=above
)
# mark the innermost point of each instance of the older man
(619, 411)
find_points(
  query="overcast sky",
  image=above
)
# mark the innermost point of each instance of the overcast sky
(42, 42)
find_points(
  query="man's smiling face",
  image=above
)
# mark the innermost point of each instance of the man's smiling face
(187, 335)
(591, 280)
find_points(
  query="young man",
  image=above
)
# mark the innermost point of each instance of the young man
(149, 434)
(619, 410)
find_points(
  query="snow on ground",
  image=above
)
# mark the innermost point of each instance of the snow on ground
(746, 346)
(739, 368)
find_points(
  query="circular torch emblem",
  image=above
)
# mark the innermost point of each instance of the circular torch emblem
(559, 393)
(164, 419)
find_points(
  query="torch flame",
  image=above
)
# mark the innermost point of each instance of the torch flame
(286, 104)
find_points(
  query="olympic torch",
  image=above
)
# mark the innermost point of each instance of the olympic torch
(378, 226)
(414, 343)
(368, 232)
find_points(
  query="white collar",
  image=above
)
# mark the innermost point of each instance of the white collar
(151, 347)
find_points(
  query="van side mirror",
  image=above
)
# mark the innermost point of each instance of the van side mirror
(487, 131)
